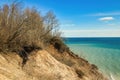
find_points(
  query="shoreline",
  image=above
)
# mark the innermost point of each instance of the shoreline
(91, 54)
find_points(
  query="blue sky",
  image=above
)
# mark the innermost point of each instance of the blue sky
(82, 18)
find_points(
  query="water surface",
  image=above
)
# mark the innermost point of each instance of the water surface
(103, 52)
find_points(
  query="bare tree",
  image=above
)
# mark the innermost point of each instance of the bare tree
(50, 23)
(23, 30)
(21, 27)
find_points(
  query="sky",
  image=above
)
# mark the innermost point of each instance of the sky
(81, 18)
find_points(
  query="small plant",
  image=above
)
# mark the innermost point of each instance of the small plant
(79, 73)
(58, 44)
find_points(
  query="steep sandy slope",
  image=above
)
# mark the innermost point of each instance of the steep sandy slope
(82, 67)
(47, 65)
(40, 66)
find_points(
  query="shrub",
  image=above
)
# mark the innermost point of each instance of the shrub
(79, 73)
(21, 28)
(58, 44)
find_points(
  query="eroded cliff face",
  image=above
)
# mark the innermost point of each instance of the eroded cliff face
(47, 64)
(82, 67)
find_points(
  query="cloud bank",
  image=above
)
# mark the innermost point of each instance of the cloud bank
(91, 33)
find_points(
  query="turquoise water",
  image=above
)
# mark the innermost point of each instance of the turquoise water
(103, 52)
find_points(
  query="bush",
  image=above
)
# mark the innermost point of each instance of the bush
(79, 73)
(25, 27)
(58, 44)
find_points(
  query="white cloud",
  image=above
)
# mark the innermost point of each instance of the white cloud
(91, 33)
(106, 18)
(106, 14)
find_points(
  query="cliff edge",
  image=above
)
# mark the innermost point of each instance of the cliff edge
(47, 64)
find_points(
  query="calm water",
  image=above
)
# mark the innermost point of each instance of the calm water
(104, 52)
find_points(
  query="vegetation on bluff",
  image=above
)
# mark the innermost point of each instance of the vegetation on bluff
(23, 30)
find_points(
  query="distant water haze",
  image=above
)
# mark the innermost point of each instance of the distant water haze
(103, 52)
